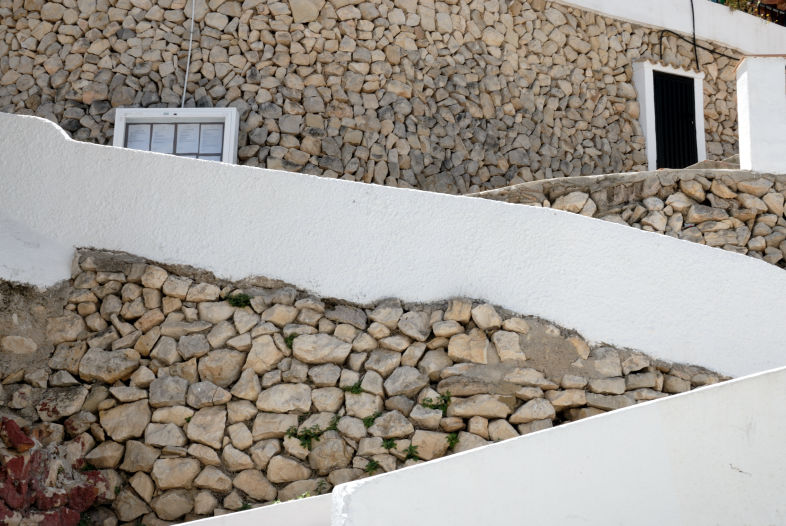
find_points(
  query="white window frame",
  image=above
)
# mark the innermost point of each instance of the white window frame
(645, 87)
(226, 116)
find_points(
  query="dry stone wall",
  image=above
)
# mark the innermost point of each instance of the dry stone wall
(183, 396)
(455, 96)
(735, 210)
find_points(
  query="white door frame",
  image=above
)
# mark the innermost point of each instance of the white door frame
(645, 87)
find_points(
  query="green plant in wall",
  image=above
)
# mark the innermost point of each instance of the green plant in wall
(354, 389)
(239, 300)
(369, 420)
(388, 443)
(333, 424)
(321, 486)
(412, 452)
(453, 440)
(371, 467)
(306, 436)
(440, 403)
(289, 339)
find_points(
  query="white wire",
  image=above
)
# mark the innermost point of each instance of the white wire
(188, 60)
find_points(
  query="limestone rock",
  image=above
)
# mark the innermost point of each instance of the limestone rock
(329, 453)
(169, 473)
(138, 457)
(126, 421)
(206, 394)
(128, 506)
(17, 345)
(213, 479)
(168, 391)
(405, 381)
(430, 444)
(472, 347)
(284, 469)
(207, 426)
(106, 455)
(391, 425)
(222, 367)
(285, 398)
(173, 504)
(108, 366)
(255, 485)
(66, 328)
(59, 402)
(484, 405)
(320, 348)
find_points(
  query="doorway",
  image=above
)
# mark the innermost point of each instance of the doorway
(675, 120)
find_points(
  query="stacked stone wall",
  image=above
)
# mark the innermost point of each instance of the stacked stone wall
(182, 396)
(451, 96)
(739, 211)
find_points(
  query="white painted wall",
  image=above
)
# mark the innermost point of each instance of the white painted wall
(29, 257)
(313, 511)
(714, 22)
(672, 299)
(710, 456)
(761, 109)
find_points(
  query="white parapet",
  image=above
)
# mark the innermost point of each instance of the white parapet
(710, 456)
(672, 299)
(761, 107)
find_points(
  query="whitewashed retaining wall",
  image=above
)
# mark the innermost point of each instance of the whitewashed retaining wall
(705, 457)
(715, 22)
(672, 299)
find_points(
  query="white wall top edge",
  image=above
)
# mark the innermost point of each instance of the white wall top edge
(673, 299)
(714, 22)
(709, 455)
(313, 511)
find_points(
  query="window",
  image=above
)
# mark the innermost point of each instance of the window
(199, 133)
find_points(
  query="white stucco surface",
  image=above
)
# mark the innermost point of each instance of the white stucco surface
(27, 256)
(761, 107)
(715, 22)
(710, 456)
(313, 511)
(672, 299)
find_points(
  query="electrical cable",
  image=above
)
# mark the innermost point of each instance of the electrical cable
(188, 60)
(693, 23)
(660, 43)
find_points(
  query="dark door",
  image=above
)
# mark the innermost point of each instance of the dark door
(675, 120)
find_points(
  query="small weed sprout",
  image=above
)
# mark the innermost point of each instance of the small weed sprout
(412, 452)
(389, 443)
(245, 506)
(441, 403)
(289, 339)
(354, 389)
(239, 300)
(333, 424)
(369, 420)
(453, 440)
(371, 467)
(306, 436)
(321, 486)
(303, 495)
